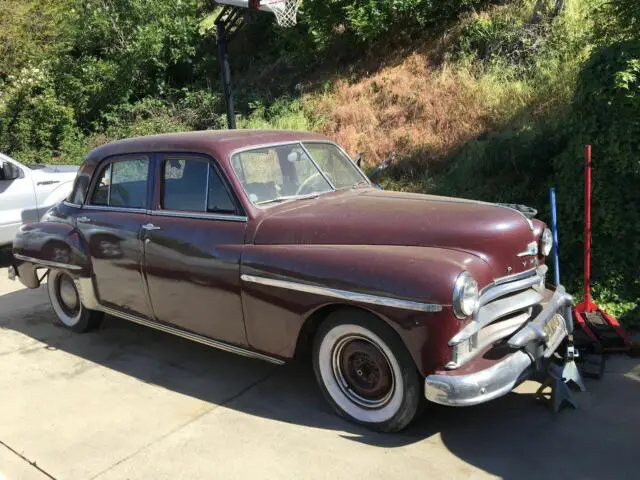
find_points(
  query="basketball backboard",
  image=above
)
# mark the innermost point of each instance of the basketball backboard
(286, 11)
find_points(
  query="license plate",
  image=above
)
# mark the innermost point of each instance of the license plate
(554, 331)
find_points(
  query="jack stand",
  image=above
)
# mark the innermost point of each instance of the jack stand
(560, 379)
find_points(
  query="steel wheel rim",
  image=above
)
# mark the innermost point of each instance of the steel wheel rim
(67, 295)
(354, 390)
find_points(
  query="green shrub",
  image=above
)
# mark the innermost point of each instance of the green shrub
(284, 114)
(606, 114)
(32, 120)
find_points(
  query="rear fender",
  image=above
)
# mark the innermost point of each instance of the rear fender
(49, 245)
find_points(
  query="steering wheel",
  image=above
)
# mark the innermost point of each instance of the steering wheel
(310, 181)
(121, 193)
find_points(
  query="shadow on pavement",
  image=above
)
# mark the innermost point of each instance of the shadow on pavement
(512, 437)
(5, 256)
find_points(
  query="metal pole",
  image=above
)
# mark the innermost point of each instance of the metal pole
(225, 74)
(554, 230)
(587, 226)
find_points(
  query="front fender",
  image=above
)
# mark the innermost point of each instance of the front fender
(49, 245)
(276, 311)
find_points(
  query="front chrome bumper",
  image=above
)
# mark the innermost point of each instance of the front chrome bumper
(531, 344)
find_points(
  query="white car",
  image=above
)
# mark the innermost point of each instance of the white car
(26, 193)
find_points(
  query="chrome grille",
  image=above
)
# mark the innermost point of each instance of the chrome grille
(504, 306)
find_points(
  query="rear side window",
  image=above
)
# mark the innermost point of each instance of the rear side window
(194, 185)
(122, 183)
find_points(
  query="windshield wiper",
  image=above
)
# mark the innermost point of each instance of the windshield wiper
(288, 197)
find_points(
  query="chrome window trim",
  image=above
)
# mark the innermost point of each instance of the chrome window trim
(294, 142)
(71, 204)
(344, 294)
(214, 164)
(324, 175)
(204, 216)
(110, 183)
(46, 263)
(106, 208)
(206, 188)
(364, 175)
(259, 146)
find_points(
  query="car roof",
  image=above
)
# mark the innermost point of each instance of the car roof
(218, 143)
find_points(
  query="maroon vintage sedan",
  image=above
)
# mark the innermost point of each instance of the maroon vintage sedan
(272, 243)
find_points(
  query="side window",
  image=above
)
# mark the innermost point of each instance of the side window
(193, 185)
(122, 183)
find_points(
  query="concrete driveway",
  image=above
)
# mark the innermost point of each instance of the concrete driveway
(130, 402)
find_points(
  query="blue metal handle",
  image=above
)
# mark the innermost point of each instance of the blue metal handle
(554, 231)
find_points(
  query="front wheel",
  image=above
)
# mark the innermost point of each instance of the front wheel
(66, 302)
(365, 371)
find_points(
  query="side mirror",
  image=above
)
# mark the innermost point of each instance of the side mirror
(8, 171)
(359, 160)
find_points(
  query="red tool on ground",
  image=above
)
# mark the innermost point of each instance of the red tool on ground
(602, 329)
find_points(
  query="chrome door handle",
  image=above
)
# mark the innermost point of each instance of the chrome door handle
(83, 219)
(150, 226)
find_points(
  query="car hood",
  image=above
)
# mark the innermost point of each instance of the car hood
(495, 233)
(55, 172)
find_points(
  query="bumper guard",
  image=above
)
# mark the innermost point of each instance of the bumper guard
(532, 344)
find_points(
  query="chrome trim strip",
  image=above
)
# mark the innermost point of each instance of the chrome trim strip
(192, 336)
(170, 213)
(345, 295)
(206, 216)
(541, 270)
(70, 204)
(505, 288)
(89, 300)
(498, 309)
(46, 263)
(532, 249)
(107, 208)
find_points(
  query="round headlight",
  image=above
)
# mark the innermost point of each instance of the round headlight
(465, 295)
(546, 242)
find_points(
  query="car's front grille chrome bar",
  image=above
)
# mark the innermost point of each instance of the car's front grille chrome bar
(503, 308)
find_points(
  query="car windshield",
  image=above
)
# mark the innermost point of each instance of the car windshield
(294, 171)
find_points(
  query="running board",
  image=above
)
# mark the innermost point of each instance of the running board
(192, 336)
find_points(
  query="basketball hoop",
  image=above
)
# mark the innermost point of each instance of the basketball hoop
(285, 11)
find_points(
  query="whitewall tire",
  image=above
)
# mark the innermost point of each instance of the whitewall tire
(67, 304)
(365, 371)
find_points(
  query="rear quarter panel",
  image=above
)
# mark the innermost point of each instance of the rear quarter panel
(275, 316)
(54, 239)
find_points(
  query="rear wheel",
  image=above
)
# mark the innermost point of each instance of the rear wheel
(66, 302)
(365, 371)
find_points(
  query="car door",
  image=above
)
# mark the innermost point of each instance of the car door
(17, 200)
(192, 254)
(111, 221)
